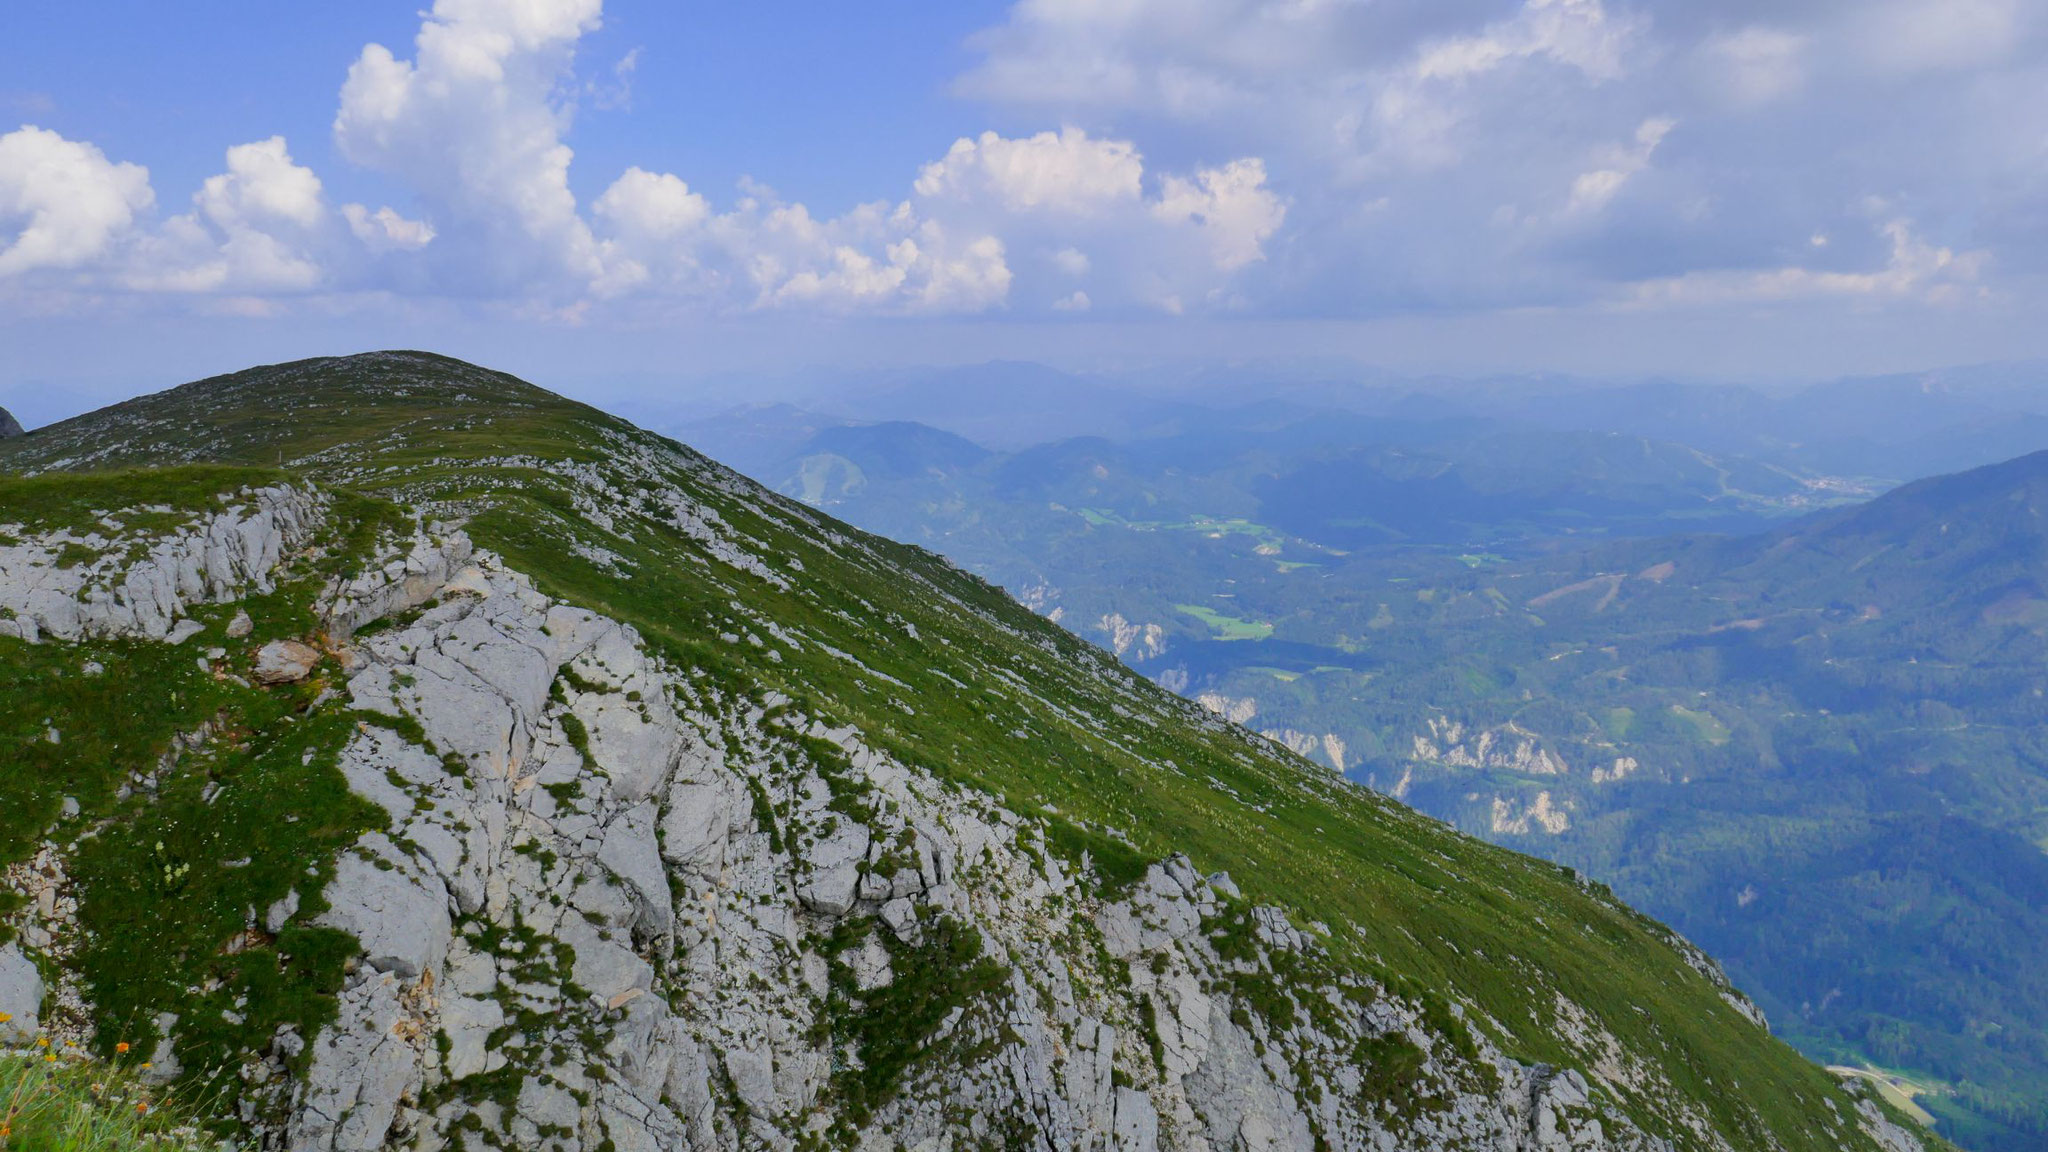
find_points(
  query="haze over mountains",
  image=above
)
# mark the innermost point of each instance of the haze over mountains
(1650, 630)
(1900, 426)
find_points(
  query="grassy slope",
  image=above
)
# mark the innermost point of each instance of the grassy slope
(953, 676)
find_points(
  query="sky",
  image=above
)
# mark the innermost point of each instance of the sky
(644, 195)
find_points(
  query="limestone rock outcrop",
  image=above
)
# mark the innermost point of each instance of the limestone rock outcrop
(113, 578)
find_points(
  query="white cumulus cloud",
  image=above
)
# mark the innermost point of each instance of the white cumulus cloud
(256, 227)
(652, 206)
(385, 230)
(473, 127)
(259, 227)
(62, 202)
(1231, 207)
(1577, 33)
(1067, 171)
(1915, 269)
(1151, 240)
(1593, 189)
(1284, 157)
(1469, 155)
(262, 186)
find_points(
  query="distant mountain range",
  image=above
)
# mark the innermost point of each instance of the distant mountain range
(1885, 428)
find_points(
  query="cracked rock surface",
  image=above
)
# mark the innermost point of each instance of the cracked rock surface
(109, 580)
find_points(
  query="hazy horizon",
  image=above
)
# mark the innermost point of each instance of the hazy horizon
(664, 401)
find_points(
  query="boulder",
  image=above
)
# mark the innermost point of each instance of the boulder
(9, 426)
(21, 992)
(285, 662)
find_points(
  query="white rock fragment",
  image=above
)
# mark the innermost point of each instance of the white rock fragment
(285, 662)
(280, 912)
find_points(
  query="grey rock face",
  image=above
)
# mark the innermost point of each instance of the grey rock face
(21, 995)
(214, 559)
(405, 581)
(836, 864)
(400, 917)
(9, 426)
(1137, 1124)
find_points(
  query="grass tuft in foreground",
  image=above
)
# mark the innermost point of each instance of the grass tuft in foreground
(55, 1102)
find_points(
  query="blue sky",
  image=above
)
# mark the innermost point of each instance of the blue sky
(711, 93)
(592, 190)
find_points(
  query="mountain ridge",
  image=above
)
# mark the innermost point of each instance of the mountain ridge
(846, 724)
